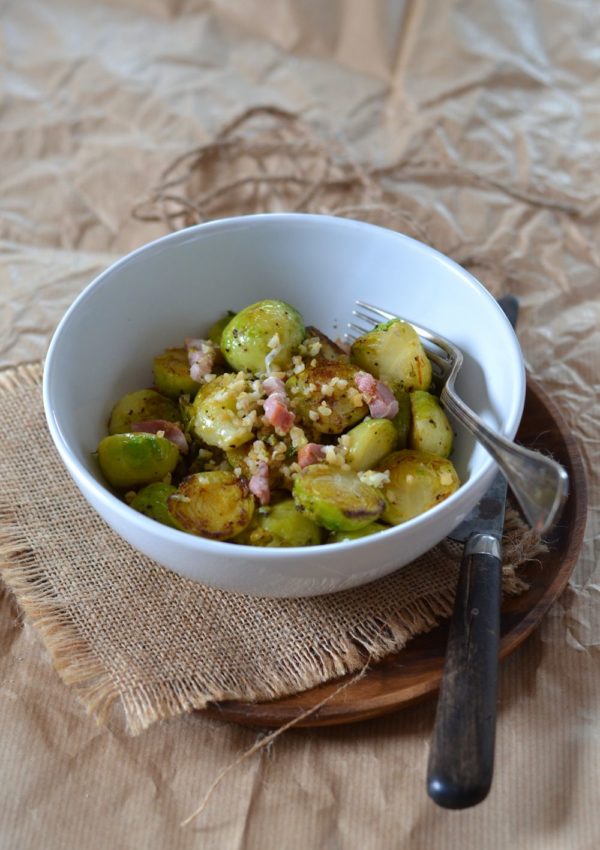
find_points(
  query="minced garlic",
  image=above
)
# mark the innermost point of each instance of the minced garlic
(355, 397)
(375, 479)
(298, 364)
(311, 346)
(298, 437)
(274, 344)
(335, 456)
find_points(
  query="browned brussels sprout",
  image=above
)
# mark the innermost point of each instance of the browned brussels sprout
(152, 501)
(281, 524)
(325, 397)
(418, 482)
(172, 373)
(215, 504)
(141, 406)
(215, 419)
(430, 430)
(337, 499)
(394, 353)
(128, 461)
(262, 337)
(369, 442)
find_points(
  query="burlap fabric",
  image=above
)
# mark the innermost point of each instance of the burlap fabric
(122, 629)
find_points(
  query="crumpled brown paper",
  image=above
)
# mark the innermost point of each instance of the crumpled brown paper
(97, 99)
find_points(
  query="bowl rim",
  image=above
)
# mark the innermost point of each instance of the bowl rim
(459, 501)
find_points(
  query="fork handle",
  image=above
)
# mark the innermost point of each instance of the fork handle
(539, 483)
(461, 758)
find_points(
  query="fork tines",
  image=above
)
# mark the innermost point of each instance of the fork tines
(440, 359)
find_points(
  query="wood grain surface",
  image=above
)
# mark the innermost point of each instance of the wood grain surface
(415, 672)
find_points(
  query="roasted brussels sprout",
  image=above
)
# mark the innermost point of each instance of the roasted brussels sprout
(140, 406)
(394, 353)
(430, 430)
(128, 461)
(369, 442)
(215, 419)
(337, 499)
(212, 504)
(340, 536)
(263, 337)
(172, 373)
(418, 481)
(325, 397)
(152, 501)
(281, 524)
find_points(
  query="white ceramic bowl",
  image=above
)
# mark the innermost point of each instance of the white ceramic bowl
(178, 285)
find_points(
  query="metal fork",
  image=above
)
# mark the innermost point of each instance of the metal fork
(539, 483)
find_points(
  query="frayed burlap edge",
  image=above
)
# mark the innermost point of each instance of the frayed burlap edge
(75, 661)
(76, 664)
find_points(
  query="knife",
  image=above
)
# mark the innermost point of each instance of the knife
(461, 756)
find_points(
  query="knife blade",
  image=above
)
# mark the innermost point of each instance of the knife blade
(461, 756)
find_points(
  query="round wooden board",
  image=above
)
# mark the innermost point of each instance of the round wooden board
(415, 672)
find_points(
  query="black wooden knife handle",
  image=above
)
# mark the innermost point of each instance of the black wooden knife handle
(461, 758)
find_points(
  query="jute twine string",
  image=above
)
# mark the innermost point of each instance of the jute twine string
(268, 159)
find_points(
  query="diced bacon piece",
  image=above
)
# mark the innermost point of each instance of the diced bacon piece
(201, 357)
(379, 397)
(366, 384)
(275, 404)
(171, 431)
(200, 369)
(259, 484)
(310, 453)
(273, 385)
(277, 413)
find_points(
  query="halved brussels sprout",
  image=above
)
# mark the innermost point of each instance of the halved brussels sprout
(152, 501)
(128, 461)
(281, 524)
(372, 528)
(140, 406)
(394, 353)
(215, 419)
(430, 430)
(369, 442)
(418, 482)
(325, 397)
(171, 371)
(215, 504)
(337, 499)
(262, 335)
